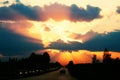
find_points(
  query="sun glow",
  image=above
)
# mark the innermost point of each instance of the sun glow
(52, 31)
(80, 56)
(64, 25)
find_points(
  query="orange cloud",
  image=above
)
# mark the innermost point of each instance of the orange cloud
(57, 11)
(80, 56)
(83, 37)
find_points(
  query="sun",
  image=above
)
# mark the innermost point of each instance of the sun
(60, 32)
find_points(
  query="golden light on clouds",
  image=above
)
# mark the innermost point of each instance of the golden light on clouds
(59, 25)
(62, 22)
(51, 31)
(107, 6)
(80, 56)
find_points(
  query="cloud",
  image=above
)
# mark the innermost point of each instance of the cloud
(6, 2)
(7, 13)
(110, 41)
(17, 27)
(84, 37)
(46, 28)
(118, 10)
(80, 56)
(81, 14)
(98, 43)
(73, 12)
(61, 45)
(57, 11)
(20, 12)
(18, 1)
(54, 11)
(12, 43)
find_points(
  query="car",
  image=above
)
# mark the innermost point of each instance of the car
(62, 71)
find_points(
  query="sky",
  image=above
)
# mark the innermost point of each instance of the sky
(30, 25)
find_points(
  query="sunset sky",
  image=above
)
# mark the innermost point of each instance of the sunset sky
(66, 25)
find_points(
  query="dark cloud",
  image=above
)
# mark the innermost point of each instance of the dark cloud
(118, 9)
(18, 1)
(81, 14)
(21, 12)
(15, 44)
(73, 12)
(32, 13)
(110, 41)
(8, 13)
(6, 2)
(59, 44)
(98, 43)
(55, 11)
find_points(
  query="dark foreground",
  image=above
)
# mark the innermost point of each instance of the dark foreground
(32, 66)
(55, 75)
(10, 72)
(95, 71)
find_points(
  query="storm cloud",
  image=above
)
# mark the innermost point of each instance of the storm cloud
(14, 44)
(20, 12)
(61, 45)
(54, 11)
(81, 14)
(98, 43)
(110, 41)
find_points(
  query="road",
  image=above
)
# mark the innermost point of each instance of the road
(55, 75)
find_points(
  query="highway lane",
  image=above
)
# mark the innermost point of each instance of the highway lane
(55, 75)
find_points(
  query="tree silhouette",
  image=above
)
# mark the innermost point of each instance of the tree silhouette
(13, 59)
(94, 59)
(46, 58)
(35, 64)
(0, 60)
(107, 56)
(70, 64)
(117, 60)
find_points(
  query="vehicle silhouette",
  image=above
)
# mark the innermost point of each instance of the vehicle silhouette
(62, 71)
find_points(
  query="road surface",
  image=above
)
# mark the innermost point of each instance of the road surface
(55, 75)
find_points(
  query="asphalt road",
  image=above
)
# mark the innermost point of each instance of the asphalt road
(55, 75)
